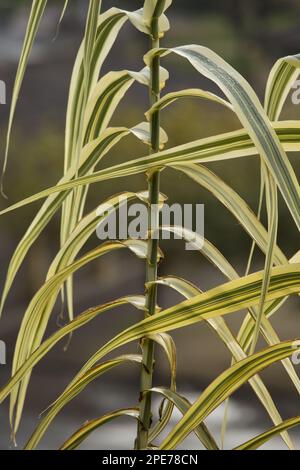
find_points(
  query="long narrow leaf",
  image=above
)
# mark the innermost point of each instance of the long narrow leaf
(280, 81)
(83, 433)
(36, 317)
(220, 327)
(258, 441)
(222, 387)
(37, 10)
(251, 114)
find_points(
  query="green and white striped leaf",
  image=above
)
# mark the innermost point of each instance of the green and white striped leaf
(272, 211)
(182, 404)
(231, 145)
(219, 325)
(222, 387)
(280, 81)
(172, 97)
(83, 433)
(91, 155)
(36, 317)
(81, 320)
(167, 344)
(77, 388)
(246, 331)
(78, 385)
(251, 114)
(222, 264)
(233, 202)
(222, 300)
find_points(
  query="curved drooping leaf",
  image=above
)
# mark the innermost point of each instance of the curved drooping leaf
(83, 81)
(182, 404)
(78, 385)
(259, 211)
(280, 82)
(219, 325)
(246, 331)
(274, 100)
(81, 320)
(84, 229)
(167, 344)
(83, 433)
(233, 202)
(77, 388)
(236, 144)
(92, 153)
(222, 300)
(100, 107)
(170, 98)
(142, 18)
(267, 330)
(272, 211)
(258, 441)
(36, 14)
(222, 387)
(219, 301)
(36, 317)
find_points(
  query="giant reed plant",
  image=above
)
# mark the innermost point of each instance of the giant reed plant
(93, 100)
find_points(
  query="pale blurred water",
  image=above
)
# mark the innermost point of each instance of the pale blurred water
(245, 421)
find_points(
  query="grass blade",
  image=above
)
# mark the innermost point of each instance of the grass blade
(36, 317)
(170, 98)
(251, 114)
(36, 13)
(83, 433)
(280, 81)
(258, 441)
(182, 404)
(219, 325)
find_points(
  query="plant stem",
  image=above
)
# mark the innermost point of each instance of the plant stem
(153, 244)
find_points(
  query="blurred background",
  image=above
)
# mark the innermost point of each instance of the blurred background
(250, 35)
